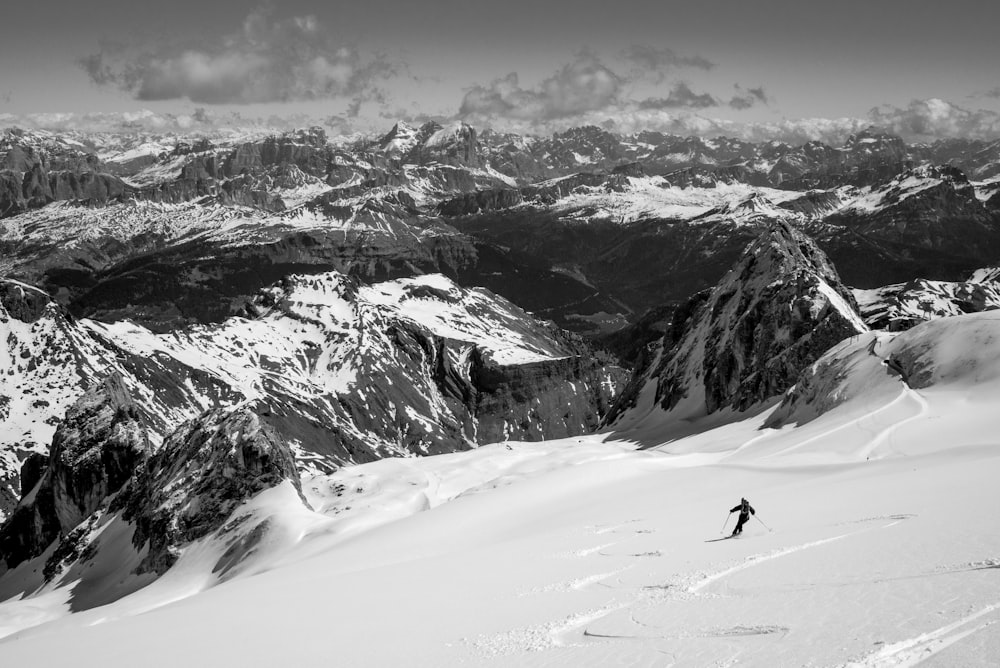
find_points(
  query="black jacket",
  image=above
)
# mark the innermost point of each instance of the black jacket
(744, 508)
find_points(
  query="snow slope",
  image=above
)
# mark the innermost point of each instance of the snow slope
(586, 552)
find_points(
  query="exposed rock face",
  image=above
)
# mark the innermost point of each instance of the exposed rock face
(352, 372)
(467, 366)
(96, 448)
(544, 400)
(307, 149)
(22, 302)
(772, 315)
(38, 170)
(456, 144)
(482, 200)
(206, 469)
(50, 359)
(866, 158)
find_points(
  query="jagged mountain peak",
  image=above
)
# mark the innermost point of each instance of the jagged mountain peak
(755, 202)
(781, 249)
(744, 342)
(399, 140)
(874, 138)
(754, 209)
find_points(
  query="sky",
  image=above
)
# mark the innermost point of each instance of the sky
(770, 68)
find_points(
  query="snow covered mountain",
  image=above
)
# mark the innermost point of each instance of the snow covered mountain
(901, 306)
(350, 372)
(179, 221)
(596, 552)
(744, 341)
(281, 365)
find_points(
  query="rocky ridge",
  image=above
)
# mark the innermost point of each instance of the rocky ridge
(745, 341)
(204, 222)
(350, 372)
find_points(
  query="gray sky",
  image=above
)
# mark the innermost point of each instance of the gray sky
(706, 66)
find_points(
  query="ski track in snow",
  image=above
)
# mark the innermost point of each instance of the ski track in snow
(757, 559)
(574, 584)
(917, 649)
(560, 633)
(886, 434)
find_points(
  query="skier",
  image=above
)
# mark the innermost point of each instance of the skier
(746, 510)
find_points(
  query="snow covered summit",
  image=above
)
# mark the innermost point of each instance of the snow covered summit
(745, 341)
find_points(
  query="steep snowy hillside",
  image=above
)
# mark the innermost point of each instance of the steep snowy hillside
(889, 395)
(745, 341)
(871, 544)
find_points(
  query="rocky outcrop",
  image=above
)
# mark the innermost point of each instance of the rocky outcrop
(481, 201)
(709, 177)
(95, 450)
(39, 188)
(206, 469)
(51, 359)
(543, 400)
(307, 149)
(22, 302)
(866, 158)
(772, 315)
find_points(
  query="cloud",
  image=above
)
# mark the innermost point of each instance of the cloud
(195, 121)
(584, 85)
(687, 123)
(681, 96)
(992, 92)
(746, 98)
(659, 62)
(935, 119)
(267, 60)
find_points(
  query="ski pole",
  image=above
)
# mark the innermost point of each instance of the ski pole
(762, 522)
(726, 522)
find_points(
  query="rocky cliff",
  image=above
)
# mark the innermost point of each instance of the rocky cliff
(350, 372)
(204, 471)
(97, 446)
(776, 311)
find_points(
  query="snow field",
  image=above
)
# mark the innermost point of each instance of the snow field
(881, 546)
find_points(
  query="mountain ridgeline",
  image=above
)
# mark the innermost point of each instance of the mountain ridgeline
(190, 323)
(744, 341)
(188, 230)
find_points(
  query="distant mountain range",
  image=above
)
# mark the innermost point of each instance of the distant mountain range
(410, 294)
(174, 231)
